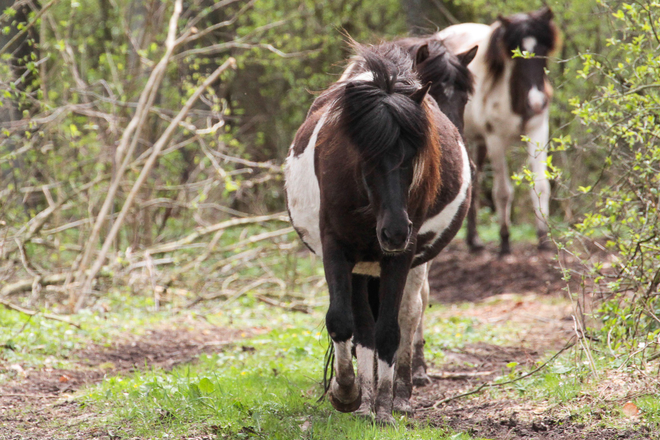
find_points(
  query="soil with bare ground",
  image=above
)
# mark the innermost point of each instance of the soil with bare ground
(514, 289)
(508, 289)
(25, 405)
(458, 275)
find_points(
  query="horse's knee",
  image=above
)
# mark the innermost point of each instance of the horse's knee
(339, 323)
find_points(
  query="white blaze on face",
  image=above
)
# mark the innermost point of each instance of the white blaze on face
(529, 44)
(536, 99)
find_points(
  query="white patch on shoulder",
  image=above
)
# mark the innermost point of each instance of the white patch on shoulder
(371, 268)
(536, 99)
(529, 44)
(303, 192)
(443, 219)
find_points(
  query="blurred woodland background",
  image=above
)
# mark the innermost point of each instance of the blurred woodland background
(142, 142)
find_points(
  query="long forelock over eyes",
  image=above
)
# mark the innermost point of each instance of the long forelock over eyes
(377, 115)
(442, 67)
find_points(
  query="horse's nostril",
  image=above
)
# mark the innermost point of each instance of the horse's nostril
(383, 235)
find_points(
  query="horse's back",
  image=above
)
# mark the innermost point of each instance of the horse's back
(462, 37)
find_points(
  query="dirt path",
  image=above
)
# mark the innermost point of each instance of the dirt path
(30, 404)
(515, 290)
(518, 289)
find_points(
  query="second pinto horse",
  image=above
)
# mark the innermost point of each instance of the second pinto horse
(378, 182)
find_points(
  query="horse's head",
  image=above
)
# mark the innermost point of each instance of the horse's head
(451, 81)
(536, 34)
(385, 118)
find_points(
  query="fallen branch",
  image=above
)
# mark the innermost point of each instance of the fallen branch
(33, 313)
(25, 285)
(499, 384)
(293, 307)
(169, 247)
(459, 375)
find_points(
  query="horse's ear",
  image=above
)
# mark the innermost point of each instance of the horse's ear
(420, 94)
(505, 21)
(422, 54)
(545, 14)
(466, 57)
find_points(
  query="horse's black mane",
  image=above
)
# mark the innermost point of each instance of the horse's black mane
(510, 34)
(441, 67)
(377, 114)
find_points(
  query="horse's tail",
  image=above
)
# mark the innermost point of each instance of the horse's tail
(328, 369)
(383, 105)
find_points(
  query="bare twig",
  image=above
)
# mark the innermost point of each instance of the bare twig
(27, 27)
(33, 313)
(125, 150)
(158, 146)
(169, 247)
(499, 384)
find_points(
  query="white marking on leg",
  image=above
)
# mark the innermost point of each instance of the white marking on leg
(344, 363)
(443, 219)
(529, 44)
(366, 365)
(303, 193)
(537, 156)
(410, 315)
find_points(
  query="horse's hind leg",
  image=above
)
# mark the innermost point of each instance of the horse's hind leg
(502, 188)
(410, 317)
(364, 341)
(344, 392)
(473, 241)
(419, 376)
(394, 272)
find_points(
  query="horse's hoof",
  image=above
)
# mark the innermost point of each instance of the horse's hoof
(476, 246)
(364, 411)
(344, 401)
(403, 406)
(421, 379)
(385, 419)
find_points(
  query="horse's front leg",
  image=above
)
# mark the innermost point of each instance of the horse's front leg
(344, 392)
(540, 190)
(410, 318)
(472, 237)
(364, 342)
(394, 272)
(502, 188)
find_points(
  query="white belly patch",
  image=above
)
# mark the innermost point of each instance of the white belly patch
(303, 193)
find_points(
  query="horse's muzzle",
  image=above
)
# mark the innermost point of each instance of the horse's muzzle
(395, 240)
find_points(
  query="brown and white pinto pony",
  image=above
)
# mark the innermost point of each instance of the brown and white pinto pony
(511, 100)
(378, 182)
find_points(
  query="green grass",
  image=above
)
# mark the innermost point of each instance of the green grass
(265, 387)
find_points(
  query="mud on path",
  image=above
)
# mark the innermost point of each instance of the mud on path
(518, 289)
(30, 403)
